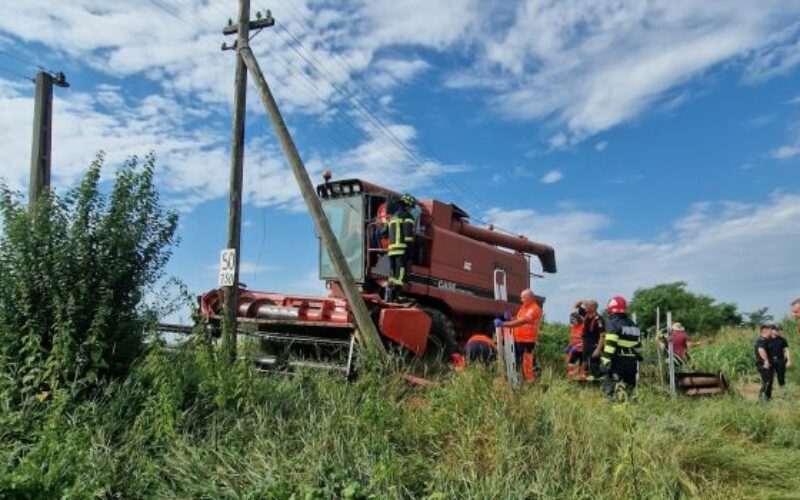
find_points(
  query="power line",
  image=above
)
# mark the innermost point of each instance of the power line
(16, 74)
(371, 117)
(349, 70)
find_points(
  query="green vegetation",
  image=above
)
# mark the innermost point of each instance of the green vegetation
(124, 418)
(72, 279)
(182, 426)
(699, 313)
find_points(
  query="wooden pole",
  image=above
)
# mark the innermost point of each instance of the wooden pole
(230, 323)
(360, 312)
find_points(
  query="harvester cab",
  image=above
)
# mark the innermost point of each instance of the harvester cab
(457, 278)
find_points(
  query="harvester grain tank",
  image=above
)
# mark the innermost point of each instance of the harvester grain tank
(461, 276)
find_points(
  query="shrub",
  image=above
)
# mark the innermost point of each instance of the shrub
(73, 273)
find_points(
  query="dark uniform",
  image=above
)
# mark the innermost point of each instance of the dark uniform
(621, 353)
(480, 348)
(777, 346)
(767, 374)
(593, 327)
(400, 228)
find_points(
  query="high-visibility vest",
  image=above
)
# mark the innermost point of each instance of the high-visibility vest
(401, 233)
(623, 338)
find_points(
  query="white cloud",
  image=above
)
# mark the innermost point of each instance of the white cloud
(729, 251)
(552, 177)
(785, 152)
(390, 72)
(591, 65)
(601, 146)
(777, 57)
(523, 171)
(192, 160)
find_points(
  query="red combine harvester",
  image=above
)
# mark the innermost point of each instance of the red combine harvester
(461, 277)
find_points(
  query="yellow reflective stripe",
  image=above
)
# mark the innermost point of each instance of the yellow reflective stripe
(613, 337)
(628, 343)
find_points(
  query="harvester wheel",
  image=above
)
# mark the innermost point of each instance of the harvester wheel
(442, 339)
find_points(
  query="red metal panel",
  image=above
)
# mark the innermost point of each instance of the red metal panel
(408, 327)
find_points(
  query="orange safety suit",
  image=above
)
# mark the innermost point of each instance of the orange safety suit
(529, 331)
(576, 337)
(575, 352)
(525, 337)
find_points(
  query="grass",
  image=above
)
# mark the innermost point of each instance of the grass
(182, 427)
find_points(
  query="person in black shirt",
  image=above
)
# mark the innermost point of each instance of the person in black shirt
(779, 355)
(593, 329)
(764, 363)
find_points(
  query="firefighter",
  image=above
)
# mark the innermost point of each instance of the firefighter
(400, 228)
(621, 348)
(480, 348)
(526, 332)
(593, 329)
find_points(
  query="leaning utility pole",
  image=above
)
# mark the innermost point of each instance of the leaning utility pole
(363, 320)
(42, 133)
(245, 57)
(366, 328)
(229, 324)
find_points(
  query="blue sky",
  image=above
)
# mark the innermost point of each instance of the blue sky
(647, 142)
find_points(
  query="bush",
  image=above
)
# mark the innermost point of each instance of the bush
(73, 273)
(731, 352)
(699, 313)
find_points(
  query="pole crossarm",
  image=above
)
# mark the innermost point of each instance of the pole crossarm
(267, 22)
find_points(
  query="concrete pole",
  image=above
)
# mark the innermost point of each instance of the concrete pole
(42, 137)
(360, 312)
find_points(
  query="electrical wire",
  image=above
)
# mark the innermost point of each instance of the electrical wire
(16, 74)
(371, 117)
(356, 102)
(467, 192)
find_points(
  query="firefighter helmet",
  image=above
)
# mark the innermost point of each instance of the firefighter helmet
(408, 200)
(617, 304)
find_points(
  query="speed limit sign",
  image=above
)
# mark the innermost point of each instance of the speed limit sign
(227, 267)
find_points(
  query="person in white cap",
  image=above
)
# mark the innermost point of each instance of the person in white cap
(680, 343)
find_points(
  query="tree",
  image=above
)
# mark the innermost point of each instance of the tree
(73, 273)
(698, 313)
(759, 317)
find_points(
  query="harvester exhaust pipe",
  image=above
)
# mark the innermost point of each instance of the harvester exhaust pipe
(545, 253)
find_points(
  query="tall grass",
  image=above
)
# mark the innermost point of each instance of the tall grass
(180, 426)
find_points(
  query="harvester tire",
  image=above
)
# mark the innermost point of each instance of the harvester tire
(442, 339)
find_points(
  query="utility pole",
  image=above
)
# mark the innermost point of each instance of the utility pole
(366, 327)
(42, 133)
(230, 324)
(360, 312)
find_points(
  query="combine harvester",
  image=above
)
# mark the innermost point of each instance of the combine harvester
(461, 277)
